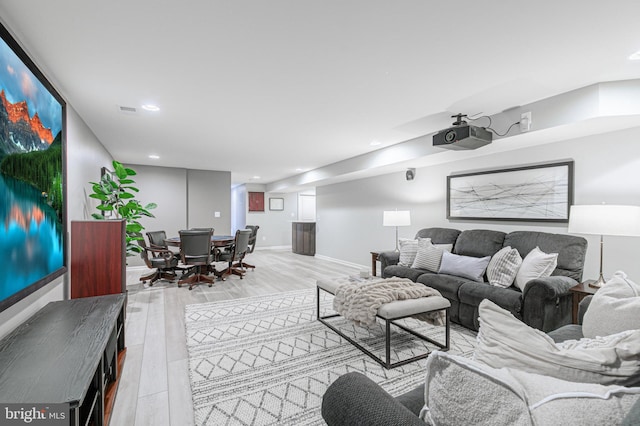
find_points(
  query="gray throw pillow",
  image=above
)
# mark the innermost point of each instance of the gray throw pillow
(464, 266)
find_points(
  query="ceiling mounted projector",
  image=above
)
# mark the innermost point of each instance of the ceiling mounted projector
(462, 135)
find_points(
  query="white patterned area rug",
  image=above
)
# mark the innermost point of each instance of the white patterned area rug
(266, 360)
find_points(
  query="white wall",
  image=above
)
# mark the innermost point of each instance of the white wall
(607, 169)
(85, 157)
(275, 226)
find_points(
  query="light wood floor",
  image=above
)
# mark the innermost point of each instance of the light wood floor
(154, 388)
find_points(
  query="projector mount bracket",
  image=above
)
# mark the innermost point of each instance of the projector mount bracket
(459, 119)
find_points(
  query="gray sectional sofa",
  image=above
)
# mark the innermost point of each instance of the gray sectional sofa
(544, 304)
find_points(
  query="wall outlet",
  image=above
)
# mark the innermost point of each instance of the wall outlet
(525, 121)
(216, 214)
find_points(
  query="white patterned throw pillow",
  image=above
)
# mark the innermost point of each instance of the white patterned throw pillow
(503, 267)
(428, 256)
(506, 342)
(408, 250)
(537, 264)
(614, 308)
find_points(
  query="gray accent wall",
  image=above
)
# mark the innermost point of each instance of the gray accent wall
(607, 169)
(209, 192)
(185, 199)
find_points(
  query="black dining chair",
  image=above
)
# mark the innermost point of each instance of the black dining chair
(157, 241)
(235, 254)
(162, 260)
(195, 251)
(252, 245)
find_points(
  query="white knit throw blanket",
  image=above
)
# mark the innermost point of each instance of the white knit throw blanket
(359, 302)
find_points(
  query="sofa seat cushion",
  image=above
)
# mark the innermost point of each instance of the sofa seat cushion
(447, 285)
(402, 272)
(472, 293)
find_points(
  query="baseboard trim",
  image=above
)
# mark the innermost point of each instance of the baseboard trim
(342, 262)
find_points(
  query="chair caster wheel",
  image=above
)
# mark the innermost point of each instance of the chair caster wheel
(210, 285)
(179, 285)
(190, 288)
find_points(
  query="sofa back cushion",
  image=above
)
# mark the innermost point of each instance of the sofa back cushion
(479, 243)
(439, 235)
(571, 249)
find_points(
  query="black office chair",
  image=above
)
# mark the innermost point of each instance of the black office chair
(203, 229)
(195, 251)
(163, 260)
(157, 241)
(252, 245)
(235, 254)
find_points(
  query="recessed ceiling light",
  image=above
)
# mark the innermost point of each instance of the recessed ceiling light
(375, 143)
(154, 157)
(299, 169)
(151, 107)
(256, 177)
(635, 56)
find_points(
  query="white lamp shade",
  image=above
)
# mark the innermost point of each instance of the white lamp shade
(396, 218)
(604, 219)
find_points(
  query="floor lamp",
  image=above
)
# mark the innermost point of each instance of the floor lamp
(604, 219)
(396, 218)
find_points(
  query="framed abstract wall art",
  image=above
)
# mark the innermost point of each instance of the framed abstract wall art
(537, 193)
(256, 201)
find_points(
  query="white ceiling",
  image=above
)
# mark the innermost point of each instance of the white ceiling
(266, 87)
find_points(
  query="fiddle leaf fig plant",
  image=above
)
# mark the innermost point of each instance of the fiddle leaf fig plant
(117, 195)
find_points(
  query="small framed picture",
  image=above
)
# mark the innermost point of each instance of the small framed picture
(276, 204)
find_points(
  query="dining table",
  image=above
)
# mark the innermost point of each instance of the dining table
(217, 241)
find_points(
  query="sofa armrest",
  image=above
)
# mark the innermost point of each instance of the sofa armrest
(547, 302)
(354, 399)
(388, 258)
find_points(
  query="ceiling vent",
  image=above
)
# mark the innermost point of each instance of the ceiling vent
(127, 110)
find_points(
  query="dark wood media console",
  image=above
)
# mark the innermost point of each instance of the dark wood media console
(70, 352)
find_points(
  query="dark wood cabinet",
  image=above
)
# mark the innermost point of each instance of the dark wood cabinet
(303, 238)
(71, 354)
(98, 258)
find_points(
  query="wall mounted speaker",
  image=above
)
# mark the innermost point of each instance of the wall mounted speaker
(410, 174)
